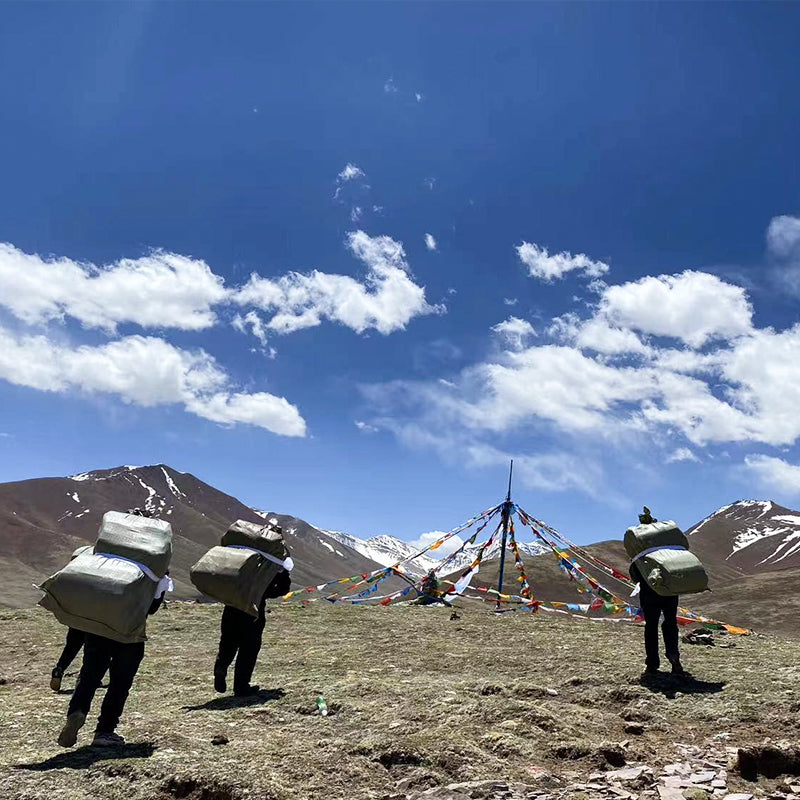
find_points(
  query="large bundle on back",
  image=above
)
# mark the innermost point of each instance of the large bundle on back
(108, 590)
(238, 572)
(661, 552)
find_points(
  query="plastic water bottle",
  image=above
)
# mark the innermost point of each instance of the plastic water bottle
(322, 706)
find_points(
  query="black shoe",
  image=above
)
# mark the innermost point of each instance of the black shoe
(246, 691)
(55, 679)
(678, 671)
(220, 682)
(107, 739)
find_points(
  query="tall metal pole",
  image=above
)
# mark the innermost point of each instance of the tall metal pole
(507, 506)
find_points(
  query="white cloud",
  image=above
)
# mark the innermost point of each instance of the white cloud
(510, 301)
(447, 548)
(542, 265)
(783, 248)
(387, 300)
(420, 97)
(365, 427)
(552, 472)
(774, 475)
(611, 379)
(681, 454)
(596, 334)
(350, 173)
(356, 213)
(693, 306)
(515, 332)
(264, 410)
(430, 242)
(251, 323)
(144, 371)
(783, 237)
(160, 290)
(389, 87)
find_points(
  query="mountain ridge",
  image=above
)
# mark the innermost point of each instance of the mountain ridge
(751, 548)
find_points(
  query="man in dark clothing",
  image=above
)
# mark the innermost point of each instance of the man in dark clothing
(122, 660)
(240, 638)
(653, 605)
(72, 646)
(429, 591)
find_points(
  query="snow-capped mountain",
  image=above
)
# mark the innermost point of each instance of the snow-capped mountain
(467, 556)
(750, 535)
(386, 550)
(389, 550)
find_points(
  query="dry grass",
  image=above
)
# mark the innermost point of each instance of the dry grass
(414, 696)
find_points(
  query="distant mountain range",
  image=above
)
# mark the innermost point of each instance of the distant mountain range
(387, 550)
(750, 548)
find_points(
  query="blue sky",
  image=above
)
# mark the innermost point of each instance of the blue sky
(216, 222)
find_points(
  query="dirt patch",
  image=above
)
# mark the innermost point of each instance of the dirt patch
(186, 787)
(404, 758)
(768, 760)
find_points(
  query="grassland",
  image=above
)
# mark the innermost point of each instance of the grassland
(418, 700)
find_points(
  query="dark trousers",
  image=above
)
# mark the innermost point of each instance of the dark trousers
(75, 639)
(122, 662)
(652, 607)
(240, 638)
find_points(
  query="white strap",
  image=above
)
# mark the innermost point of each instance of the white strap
(145, 569)
(656, 549)
(287, 562)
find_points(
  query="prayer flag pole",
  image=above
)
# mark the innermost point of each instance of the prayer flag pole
(507, 508)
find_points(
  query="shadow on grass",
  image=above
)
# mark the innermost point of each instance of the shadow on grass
(671, 685)
(84, 757)
(232, 701)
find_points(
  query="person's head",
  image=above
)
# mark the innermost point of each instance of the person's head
(646, 518)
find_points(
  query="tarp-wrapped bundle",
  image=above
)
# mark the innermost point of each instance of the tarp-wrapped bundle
(661, 552)
(108, 591)
(238, 572)
(148, 541)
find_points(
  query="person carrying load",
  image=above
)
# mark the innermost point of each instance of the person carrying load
(663, 568)
(249, 566)
(108, 592)
(240, 638)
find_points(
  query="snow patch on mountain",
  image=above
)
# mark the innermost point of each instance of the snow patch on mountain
(172, 485)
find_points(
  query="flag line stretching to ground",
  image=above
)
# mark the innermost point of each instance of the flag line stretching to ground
(566, 551)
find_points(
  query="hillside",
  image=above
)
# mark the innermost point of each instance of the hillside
(43, 520)
(516, 706)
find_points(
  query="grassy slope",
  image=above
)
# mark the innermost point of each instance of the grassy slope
(407, 685)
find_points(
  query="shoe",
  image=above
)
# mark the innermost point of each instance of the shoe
(220, 682)
(107, 739)
(678, 670)
(55, 679)
(246, 691)
(69, 733)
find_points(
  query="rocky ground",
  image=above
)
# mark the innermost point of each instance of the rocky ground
(422, 706)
